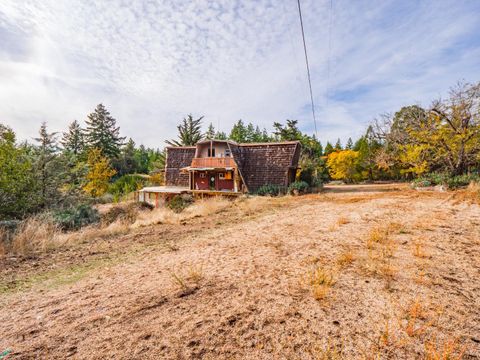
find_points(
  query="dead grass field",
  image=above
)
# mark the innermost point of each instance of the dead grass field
(366, 273)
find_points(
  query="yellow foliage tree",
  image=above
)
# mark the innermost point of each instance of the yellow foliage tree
(99, 173)
(343, 165)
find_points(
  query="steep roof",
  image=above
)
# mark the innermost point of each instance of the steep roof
(266, 163)
(177, 158)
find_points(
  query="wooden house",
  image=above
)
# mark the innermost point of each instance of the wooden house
(227, 167)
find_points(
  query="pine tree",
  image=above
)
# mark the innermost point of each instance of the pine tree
(189, 132)
(126, 162)
(49, 170)
(73, 140)
(220, 135)
(103, 133)
(289, 132)
(210, 134)
(328, 149)
(239, 132)
(349, 145)
(250, 133)
(338, 145)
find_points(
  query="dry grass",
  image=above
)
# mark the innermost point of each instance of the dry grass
(418, 249)
(345, 258)
(448, 350)
(34, 235)
(320, 280)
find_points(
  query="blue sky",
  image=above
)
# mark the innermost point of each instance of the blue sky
(153, 62)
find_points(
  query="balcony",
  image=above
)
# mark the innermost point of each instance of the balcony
(212, 162)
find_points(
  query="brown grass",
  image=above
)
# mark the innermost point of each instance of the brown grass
(447, 350)
(345, 258)
(342, 220)
(320, 280)
(34, 235)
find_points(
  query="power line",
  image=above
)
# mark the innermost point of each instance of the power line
(308, 67)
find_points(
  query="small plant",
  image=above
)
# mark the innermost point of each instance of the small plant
(449, 350)
(320, 280)
(345, 258)
(418, 250)
(180, 202)
(269, 190)
(298, 187)
(342, 220)
(75, 218)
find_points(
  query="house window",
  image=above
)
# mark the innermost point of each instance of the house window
(227, 153)
(212, 154)
(202, 175)
(221, 176)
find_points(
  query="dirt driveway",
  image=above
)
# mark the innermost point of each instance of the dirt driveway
(372, 274)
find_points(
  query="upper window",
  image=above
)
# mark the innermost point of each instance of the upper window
(227, 152)
(221, 176)
(211, 152)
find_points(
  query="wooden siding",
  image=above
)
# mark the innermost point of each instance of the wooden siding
(178, 158)
(213, 162)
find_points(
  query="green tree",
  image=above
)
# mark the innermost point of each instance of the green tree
(210, 134)
(220, 135)
(287, 132)
(17, 182)
(189, 132)
(126, 163)
(328, 149)
(349, 145)
(239, 132)
(49, 168)
(338, 145)
(103, 133)
(73, 140)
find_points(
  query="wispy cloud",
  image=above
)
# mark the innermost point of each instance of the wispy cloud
(153, 62)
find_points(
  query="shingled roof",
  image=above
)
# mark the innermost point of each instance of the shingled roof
(266, 163)
(177, 158)
(258, 163)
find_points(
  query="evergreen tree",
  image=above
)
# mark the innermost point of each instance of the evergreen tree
(250, 133)
(49, 169)
(338, 145)
(210, 134)
(103, 133)
(220, 135)
(126, 162)
(239, 132)
(17, 181)
(349, 145)
(328, 149)
(73, 140)
(289, 132)
(189, 132)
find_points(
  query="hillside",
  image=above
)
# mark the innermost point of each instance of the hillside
(350, 273)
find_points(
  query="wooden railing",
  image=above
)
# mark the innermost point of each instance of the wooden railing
(212, 162)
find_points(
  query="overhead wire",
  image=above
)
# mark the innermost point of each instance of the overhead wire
(308, 67)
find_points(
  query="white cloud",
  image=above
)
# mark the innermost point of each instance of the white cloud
(153, 62)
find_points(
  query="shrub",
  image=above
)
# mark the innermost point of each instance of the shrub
(125, 185)
(269, 190)
(125, 214)
(179, 203)
(298, 187)
(75, 217)
(452, 182)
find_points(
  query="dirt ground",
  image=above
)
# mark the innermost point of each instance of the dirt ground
(359, 273)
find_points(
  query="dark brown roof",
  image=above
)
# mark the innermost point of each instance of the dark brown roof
(258, 163)
(178, 157)
(266, 163)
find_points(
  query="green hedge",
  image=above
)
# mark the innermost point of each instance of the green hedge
(76, 217)
(451, 182)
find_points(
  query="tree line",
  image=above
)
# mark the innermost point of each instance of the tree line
(58, 171)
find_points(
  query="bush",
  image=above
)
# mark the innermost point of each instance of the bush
(269, 190)
(125, 185)
(127, 214)
(179, 202)
(75, 217)
(298, 187)
(451, 182)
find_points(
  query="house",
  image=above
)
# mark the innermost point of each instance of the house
(225, 167)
